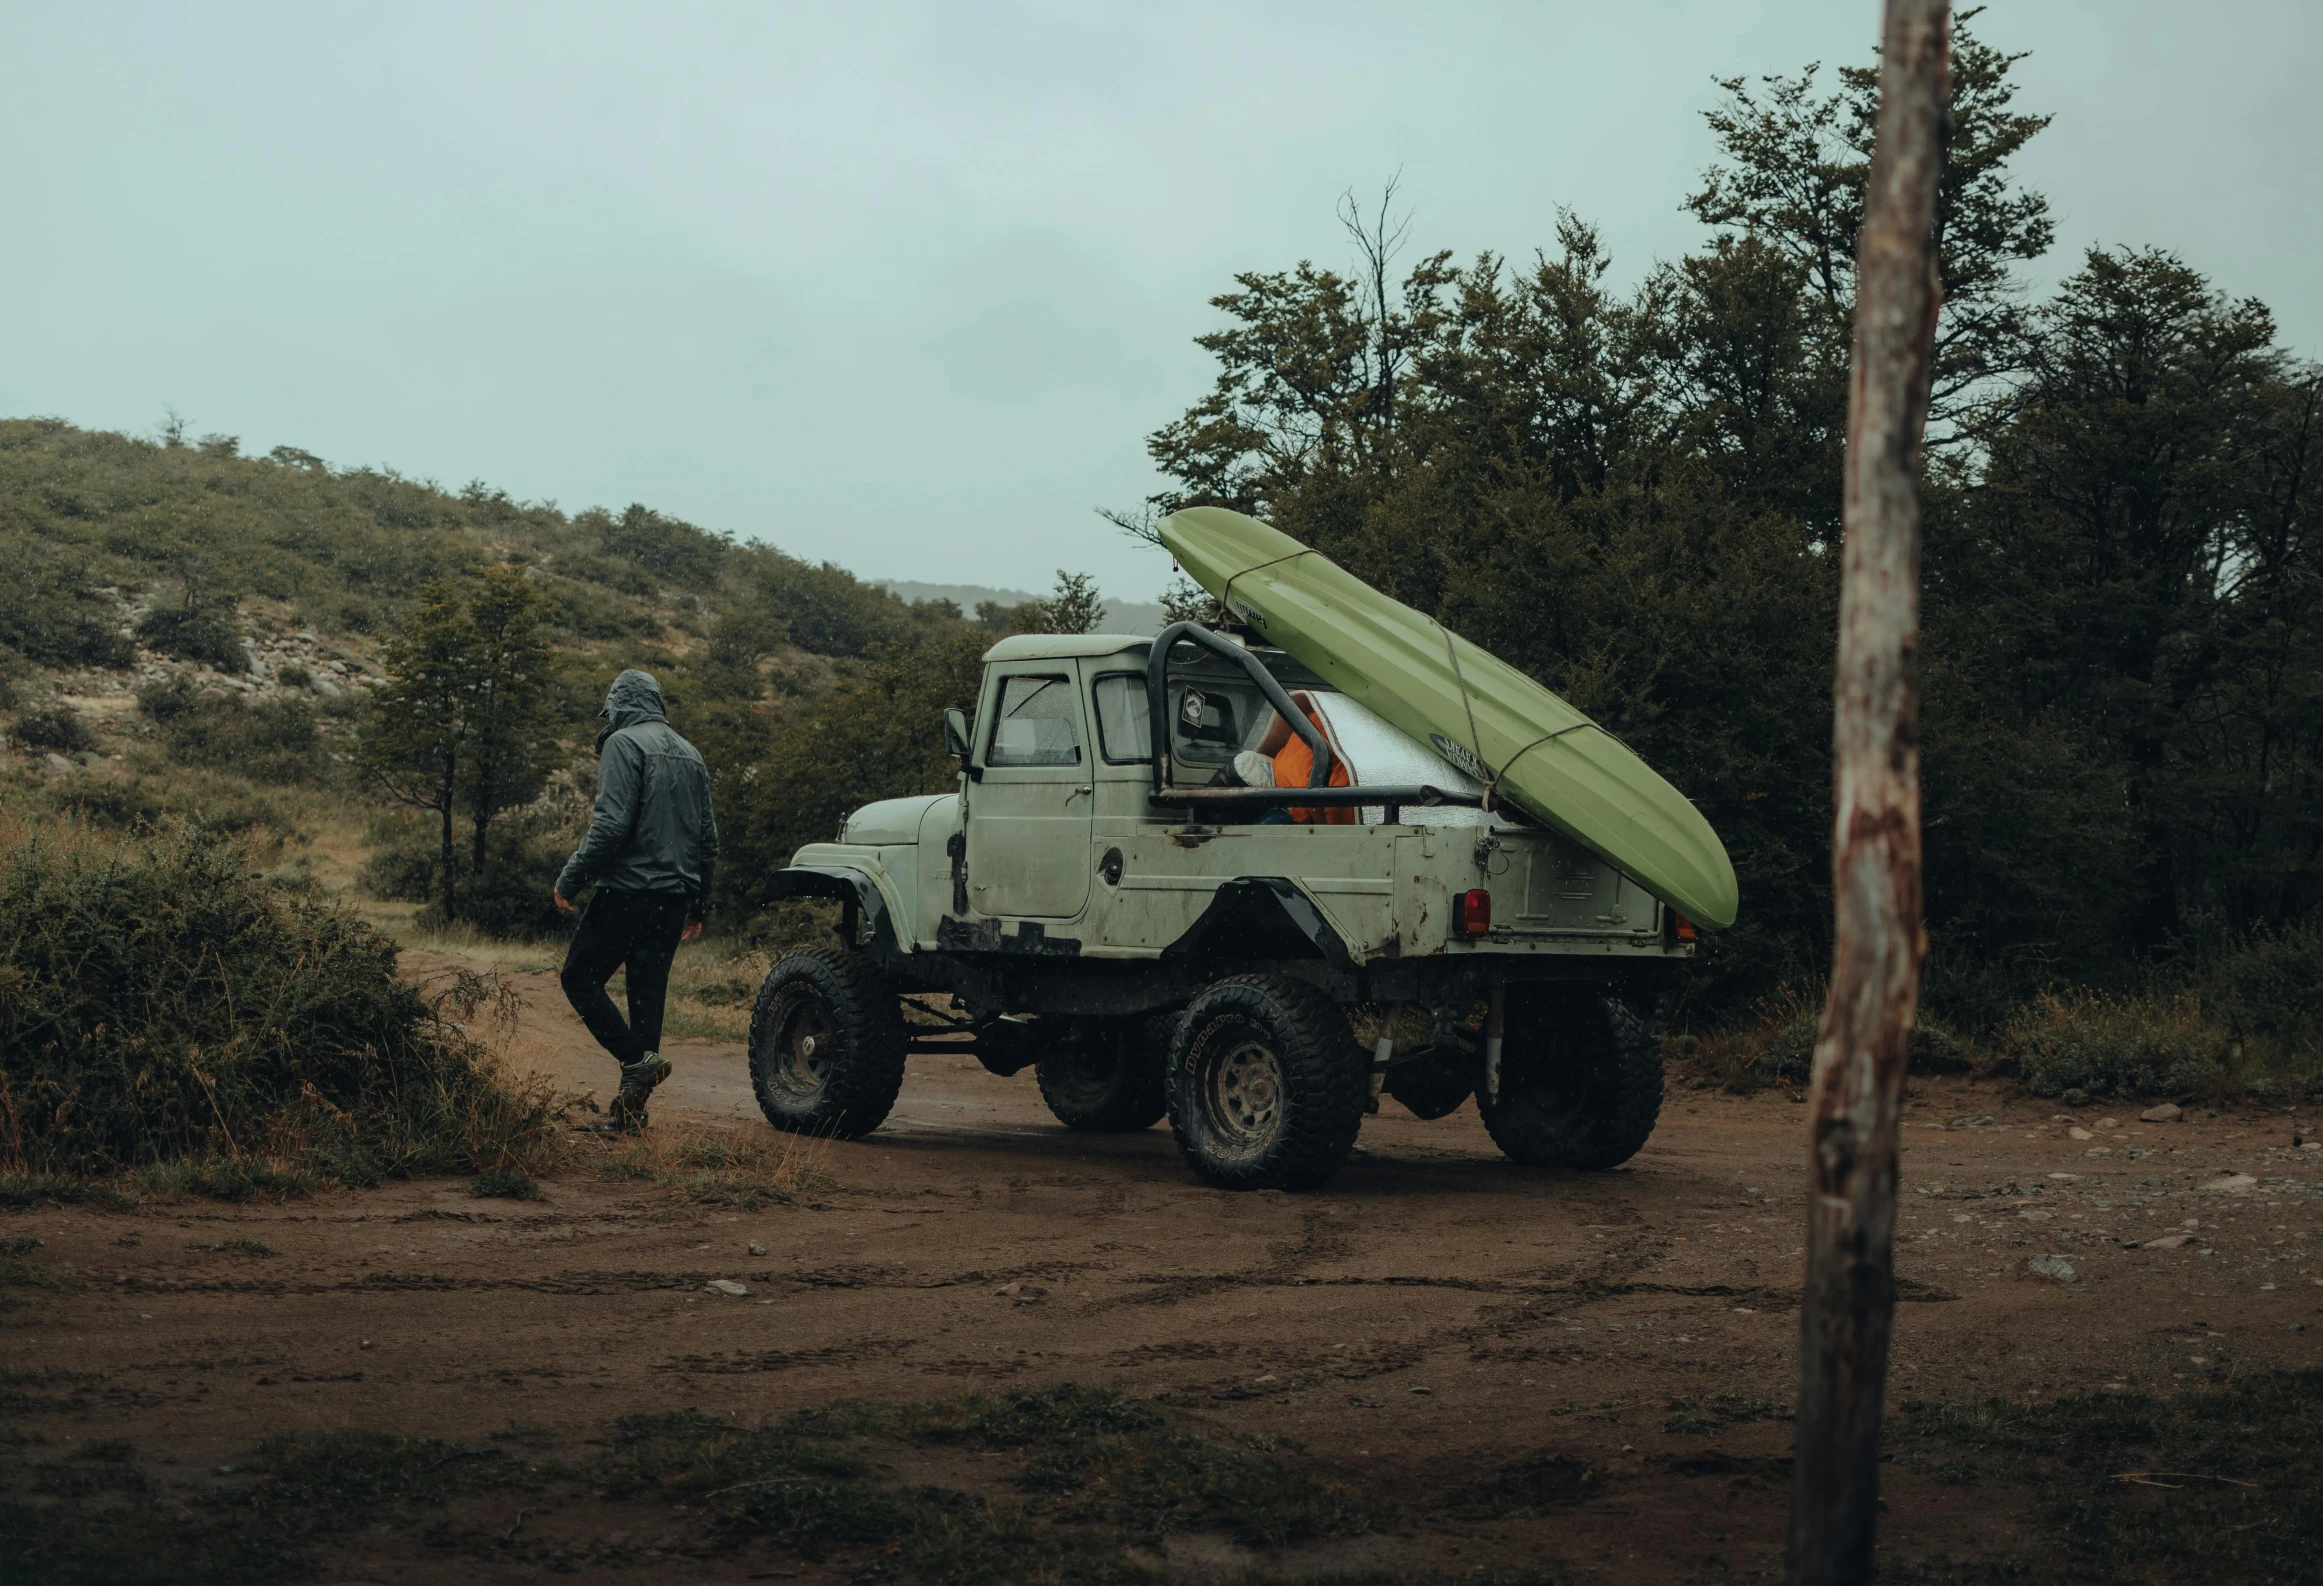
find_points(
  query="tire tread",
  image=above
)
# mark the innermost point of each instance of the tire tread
(867, 1022)
(1630, 1048)
(1324, 1081)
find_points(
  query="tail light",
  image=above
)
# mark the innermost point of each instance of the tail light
(1682, 928)
(1474, 913)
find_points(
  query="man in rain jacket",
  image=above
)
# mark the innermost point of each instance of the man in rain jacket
(651, 851)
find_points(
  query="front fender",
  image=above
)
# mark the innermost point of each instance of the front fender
(844, 882)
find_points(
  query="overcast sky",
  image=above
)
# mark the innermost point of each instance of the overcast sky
(905, 286)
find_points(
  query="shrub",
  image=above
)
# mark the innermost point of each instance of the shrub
(161, 1002)
(2266, 987)
(875, 737)
(269, 743)
(510, 898)
(1778, 1048)
(197, 635)
(665, 546)
(56, 615)
(2113, 1045)
(62, 731)
(121, 804)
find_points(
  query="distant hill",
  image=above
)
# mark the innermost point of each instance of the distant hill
(1121, 616)
(98, 530)
(184, 628)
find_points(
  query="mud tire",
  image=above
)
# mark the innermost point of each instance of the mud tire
(826, 1044)
(1105, 1078)
(1580, 1081)
(1266, 1084)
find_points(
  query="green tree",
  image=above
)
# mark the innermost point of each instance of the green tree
(668, 547)
(878, 735)
(1794, 163)
(511, 716)
(415, 739)
(2138, 561)
(1074, 606)
(464, 726)
(1187, 601)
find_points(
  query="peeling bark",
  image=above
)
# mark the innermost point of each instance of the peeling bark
(1864, 1044)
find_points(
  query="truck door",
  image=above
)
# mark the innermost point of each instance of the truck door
(1029, 816)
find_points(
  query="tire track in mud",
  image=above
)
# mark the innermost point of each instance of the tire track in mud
(776, 1360)
(632, 1280)
(1539, 1296)
(1322, 1236)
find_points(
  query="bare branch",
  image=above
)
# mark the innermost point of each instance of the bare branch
(1140, 525)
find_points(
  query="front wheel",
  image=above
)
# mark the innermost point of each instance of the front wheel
(1266, 1084)
(1580, 1080)
(826, 1044)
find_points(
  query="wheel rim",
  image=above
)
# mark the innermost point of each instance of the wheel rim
(796, 1058)
(1561, 1087)
(1242, 1091)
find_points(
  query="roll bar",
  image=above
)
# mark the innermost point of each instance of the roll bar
(1316, 794)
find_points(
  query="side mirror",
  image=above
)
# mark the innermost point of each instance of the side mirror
(956, 738)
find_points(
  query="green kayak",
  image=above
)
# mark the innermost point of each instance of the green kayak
(1481, 714)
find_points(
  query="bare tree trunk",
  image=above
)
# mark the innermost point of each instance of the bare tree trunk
(1864, 1045)
(450, 855)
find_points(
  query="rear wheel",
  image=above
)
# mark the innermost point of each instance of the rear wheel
(1104, 1076)
(1266, 1084)
(1580, 1080)
(826, 1044)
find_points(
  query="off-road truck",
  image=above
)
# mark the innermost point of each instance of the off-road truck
(1102, 901)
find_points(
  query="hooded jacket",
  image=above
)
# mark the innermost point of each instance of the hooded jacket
(653, 830)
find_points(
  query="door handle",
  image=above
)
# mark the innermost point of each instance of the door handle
(1086, 787)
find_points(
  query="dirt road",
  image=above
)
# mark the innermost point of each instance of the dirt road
(1435, 1317)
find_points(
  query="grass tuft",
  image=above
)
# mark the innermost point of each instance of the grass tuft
(744, 1168)
(2224, 1486)
(1097, 1471)
(505, 1184)
(1708, 1417)
(236, 1247)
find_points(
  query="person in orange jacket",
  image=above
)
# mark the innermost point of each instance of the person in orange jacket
(1294, 762)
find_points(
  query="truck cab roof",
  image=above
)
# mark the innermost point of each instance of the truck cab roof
(1058, 646)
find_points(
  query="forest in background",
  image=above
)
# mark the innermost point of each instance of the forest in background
(1633, 494)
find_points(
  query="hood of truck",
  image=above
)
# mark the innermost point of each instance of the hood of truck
(893, 820)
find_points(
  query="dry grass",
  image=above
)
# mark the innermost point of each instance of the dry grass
(459, 941)
(744, 1167)
(711, 989)
(1776, 1045)
(711, 986)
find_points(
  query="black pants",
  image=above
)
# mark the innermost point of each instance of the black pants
(636, 929)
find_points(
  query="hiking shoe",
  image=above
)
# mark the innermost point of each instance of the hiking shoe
(627, 1114)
